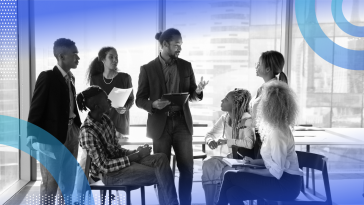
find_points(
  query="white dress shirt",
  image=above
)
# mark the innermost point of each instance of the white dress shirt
(278, 153)
(72, 105)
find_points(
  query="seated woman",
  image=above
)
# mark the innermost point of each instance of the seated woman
(226, 131)
(281, 180)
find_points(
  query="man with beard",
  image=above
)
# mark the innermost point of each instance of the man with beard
(170, 125)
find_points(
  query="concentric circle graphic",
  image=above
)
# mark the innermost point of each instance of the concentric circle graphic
(323, 45)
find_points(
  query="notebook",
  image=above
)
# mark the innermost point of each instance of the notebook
(239, 162)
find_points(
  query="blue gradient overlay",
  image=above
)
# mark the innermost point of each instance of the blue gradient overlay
(347, 27)
(93, 24)
(10, 130)
(320, 43)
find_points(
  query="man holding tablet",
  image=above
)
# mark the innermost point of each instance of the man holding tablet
(169, 124)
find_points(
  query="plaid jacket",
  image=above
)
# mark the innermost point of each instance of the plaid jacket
(99, 139)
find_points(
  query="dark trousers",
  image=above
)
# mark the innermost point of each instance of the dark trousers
(177, 135)
(240, 186)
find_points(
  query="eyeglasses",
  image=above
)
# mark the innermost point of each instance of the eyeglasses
(257, 64)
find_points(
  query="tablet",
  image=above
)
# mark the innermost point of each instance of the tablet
(176, 98)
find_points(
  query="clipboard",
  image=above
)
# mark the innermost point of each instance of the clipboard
(176, 98)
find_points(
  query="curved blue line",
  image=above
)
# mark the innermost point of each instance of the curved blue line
(320, 43)
(342, 22)
(10, 137)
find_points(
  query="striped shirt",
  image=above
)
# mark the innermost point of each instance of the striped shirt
(99, 139)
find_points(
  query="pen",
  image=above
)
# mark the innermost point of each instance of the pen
(240, 154)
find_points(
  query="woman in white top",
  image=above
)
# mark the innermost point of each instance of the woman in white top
(269, 66)
(281, 180)
(226, 131)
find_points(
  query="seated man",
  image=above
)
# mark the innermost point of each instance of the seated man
(119, 166)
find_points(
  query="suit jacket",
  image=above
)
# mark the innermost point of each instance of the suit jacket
(49, 108)
(152, 86)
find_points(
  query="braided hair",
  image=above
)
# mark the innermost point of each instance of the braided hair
(84, 97)
(241, 99)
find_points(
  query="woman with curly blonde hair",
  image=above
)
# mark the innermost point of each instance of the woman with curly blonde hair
(281, 180)
(227, 131)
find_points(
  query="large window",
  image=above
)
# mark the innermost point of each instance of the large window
(329, 96)
(129, 26)
(224, 40)
(9, 91)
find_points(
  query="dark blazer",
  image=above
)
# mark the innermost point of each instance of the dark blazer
(49, 108)
(152, 86)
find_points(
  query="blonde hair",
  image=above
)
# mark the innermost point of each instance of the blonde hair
(278, 107)
(241, 98)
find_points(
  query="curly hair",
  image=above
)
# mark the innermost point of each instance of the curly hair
(278, 106)
(241, 99)
(97, 67)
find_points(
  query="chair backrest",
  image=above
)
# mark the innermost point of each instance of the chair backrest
(311, 160)
(318, 162)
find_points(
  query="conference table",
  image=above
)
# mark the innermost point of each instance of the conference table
(303, 136)
(308, 137)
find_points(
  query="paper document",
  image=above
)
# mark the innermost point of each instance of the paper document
(46, 153)
(240, 162)
(119, 96)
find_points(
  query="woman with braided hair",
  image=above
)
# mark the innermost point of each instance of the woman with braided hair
(282, 179)
(227, 131)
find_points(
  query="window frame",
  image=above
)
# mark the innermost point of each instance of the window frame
(26, 81)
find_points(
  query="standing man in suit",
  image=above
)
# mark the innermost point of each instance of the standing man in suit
(53, 108)
(170, 125)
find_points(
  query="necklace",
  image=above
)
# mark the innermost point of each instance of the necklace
(103, 77)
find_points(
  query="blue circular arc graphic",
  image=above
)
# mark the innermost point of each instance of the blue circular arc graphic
(342, 23)
(322, 44)
(11, 137)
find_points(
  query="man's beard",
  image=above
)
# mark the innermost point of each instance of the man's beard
(173, 56)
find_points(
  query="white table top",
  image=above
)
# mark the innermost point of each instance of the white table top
(331, 136)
